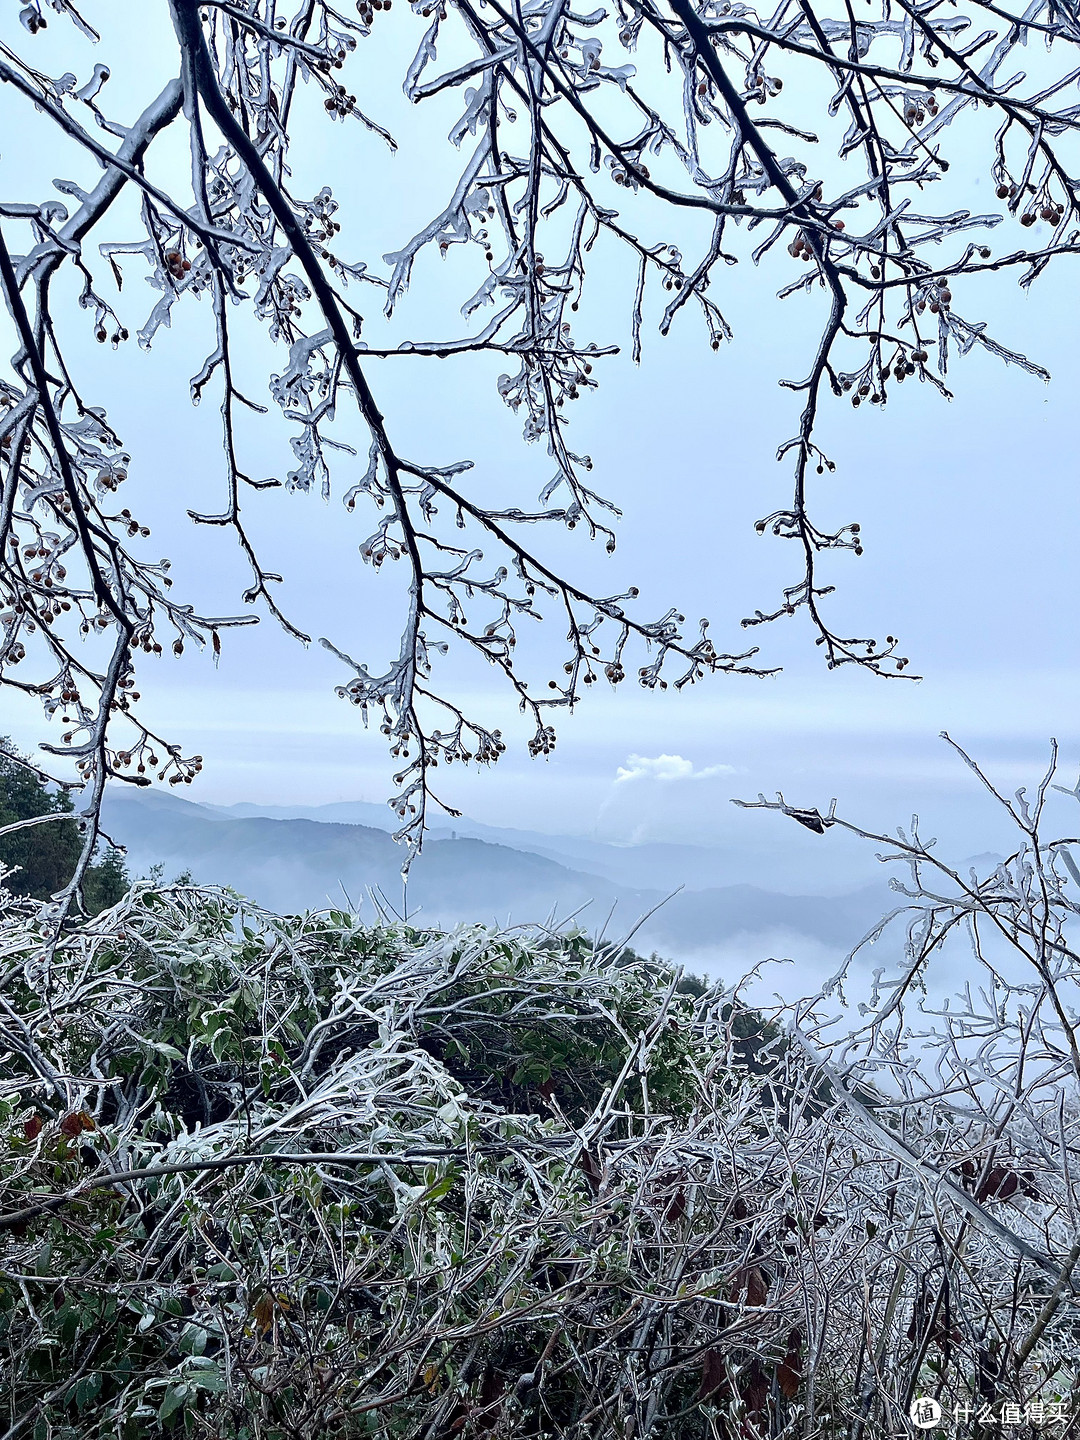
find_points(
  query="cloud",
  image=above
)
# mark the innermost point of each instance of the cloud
(666, 768)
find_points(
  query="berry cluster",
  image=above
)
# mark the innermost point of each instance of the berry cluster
(917, 107)
(365, 9)
(177, 266)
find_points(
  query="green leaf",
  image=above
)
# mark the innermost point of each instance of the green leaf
(169, 1051)
(441, 1187)
(87, 1389)
(192, 1340)
(69, 1325)
(206, 1374)
(175, 1396)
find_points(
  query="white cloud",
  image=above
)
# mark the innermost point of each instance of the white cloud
(666, 767)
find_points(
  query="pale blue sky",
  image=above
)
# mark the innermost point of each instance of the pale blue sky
(969, 512)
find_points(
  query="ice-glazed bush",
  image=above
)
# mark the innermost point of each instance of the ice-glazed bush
(285, 1177)
(303, 1176)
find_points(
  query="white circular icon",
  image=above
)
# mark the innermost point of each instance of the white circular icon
(925, 1413)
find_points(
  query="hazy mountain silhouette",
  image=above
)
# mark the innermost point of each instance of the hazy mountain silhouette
(291, 863)
(647, 865)
(828, 869)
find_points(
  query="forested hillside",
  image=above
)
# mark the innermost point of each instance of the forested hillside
(298, 1178)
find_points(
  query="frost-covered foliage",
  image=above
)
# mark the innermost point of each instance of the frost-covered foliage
(808, 128)
(266, 1177)
(380, 1180)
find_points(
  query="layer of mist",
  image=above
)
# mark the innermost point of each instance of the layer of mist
(668, 898)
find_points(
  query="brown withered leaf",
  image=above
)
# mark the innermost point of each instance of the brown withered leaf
(946, 1339)
(812, 819)
(988, 1369)
(590, 1169)
(493, 1390)
(789, 1372)
(821, 1219)
(753, 1282)
(789, 1375)
(263, 1311)
(33, 1127)
(712, 1373)
(754, 1387)
(676, 1195)
(999, 1183)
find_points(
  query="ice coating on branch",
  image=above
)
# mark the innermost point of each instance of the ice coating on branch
(813, 142)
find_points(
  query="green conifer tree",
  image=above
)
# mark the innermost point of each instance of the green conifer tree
(44, 857)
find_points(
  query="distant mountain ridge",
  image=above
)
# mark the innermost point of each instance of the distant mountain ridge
(292, 862)
(646, 864)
